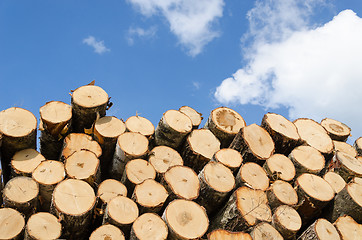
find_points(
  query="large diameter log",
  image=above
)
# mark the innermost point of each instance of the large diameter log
(348, 228)
(283, 132)
(88, 103)
(149, 226)
(73, 203)
(221, 234)
(245, 208)
(12, 224)
(140, 125)
(195, 116)
(344, 147)
(346, 166)
(287, 221)
(280, 167)
(79, 141)
(358, 146)
(253, 176)
(162, 158)
(129, 146)
(321, 229)
(25, 161)
(185, 220)
(107, 232)
(42, 225)
(254, 143)
(265, 231)
(224, 123)
(199, 148)
(337, 131)
(335, 180)
(55, 118)
(307, 159)
(229, 157)
(281, 193)
(216, 181)
(18, 130)
(172, 129)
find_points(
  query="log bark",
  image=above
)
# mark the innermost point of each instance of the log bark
(280, 167)
(253, 176)
(281, 193)
(336, 130)
(162, 158)
(129, 146)
(140, 125)
(216, 181)
(107, 232)
(199, 148)
(221, 234)
(195, 116)
(79, 141)
(149, 226)
(265, 231)
(286, 221)
(25, 161)
(73, 203)
(1, 187)
(335, 180)
(348, 228)
(346, 166)
(321, 229)
(307, 159)
(344, 147)
(254, 143)
(229, 157)
(12, 224)
(224, 123)
(42, 225)
(185, 220)
(358, 146)
(88, 104)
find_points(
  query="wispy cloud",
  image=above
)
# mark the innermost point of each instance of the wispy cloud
(98, 46)
(138, 32)
(196, 85)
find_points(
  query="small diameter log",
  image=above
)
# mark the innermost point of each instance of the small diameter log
(109, 189)
(48, 174)
(149, 226)
(221, 234)
(224, 123)
(348, 228)
(307, 159)
(88, 103)
(73, 202)
(287, 221)
(229, 157)
(55, 118)
(280, 167)
(254, 143)
(84, 165)
(21, 193)
(106, 131)
(107, 232)
(336, 130)
(140, 125)
(253, 176)
(185, 220)
(162, 158)
(335, 180)
(150, 196)
(283, 132)
(314, 193)
(321, 229)
(25, 161)
(358, 146)
(281, 193)
(216, 181)
(12, 224)
(195, 116)
(18, 130)
(346, 166)
(265, 231)
(245, 208)
(199, 148)
(129, 146)
(344, 147)
(42, 225)
(172, 129)
(79, 141)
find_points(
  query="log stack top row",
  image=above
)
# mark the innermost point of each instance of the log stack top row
(98, 177)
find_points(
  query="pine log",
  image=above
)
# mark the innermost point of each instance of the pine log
(283, 132)
(348, 228)
(88, 104)
(79, 141)
(336, 130)
(185, 220)
(344, 147)
(150, 196)
(48, 174)
(253, 176)
(55, 119)
(281, 193)
(18, 130)
(221, 234)
(162, 158)
(106, 131)
(12, 224)
(107, 232)
(229, 157)
(321, 229)
(358, 146)
(199, 148)
(42, 225)
(140, 125)
(280, 167)
(216, 181)
(346, 166)
(73, 203)
(307, 159)
(224, 123)
(129, 146)
(245, 208)
(265, 231)
(254, 143)
(21, 193)
(25, 161)
(286, 221)
(172, 129)
(195, 116)
(149, 226)
(335, 180)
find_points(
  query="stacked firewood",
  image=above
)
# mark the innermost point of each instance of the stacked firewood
(98, 177)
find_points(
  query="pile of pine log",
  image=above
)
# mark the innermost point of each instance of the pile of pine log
(98, 177)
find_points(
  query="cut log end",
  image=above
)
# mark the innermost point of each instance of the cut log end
(134, 145)
(253, 176)
(121, 211)
(79, 141)
(163, 157)
(43, 225)
(335, 180)
(344, 147)
(348, 228)
(25, 161)
(108, 127)
(89, 96)
(140, 125)
(358, 146)
(279, 167)
(17, 122)
(138, 170)
(287, 221)
(149, 226)
(307, 159)
(337, 131)
(265, 231)
(321, 229)
(107, 232)
(316, 187)
(12, 224)
(219, 177)
(109, 189)
(282, 193)
(229, 157)
(55, 115)
(221, 234)
(195, 116)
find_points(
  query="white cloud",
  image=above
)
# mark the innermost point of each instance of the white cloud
(196, 85)
(98, 46)
(134, 32)
(313, 71)
(191, 21)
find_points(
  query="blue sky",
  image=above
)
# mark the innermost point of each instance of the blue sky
(297, 58)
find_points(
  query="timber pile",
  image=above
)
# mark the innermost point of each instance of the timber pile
(97, 177)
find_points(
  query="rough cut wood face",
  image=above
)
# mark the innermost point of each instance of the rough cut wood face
(335, 180)
(178, 121)
(195, 116)
(316, 187)
(348, 228)
(227, 120)
(163, 157)
(336, 129)
(150, 193)
(122, 210)
(109, 189)
(140, 125)
(282, 125)
(288, 217)
(281, 167)
(265, 230)
(219, 234)
(150, 226)
(49, 172)
(11, 223)
(133, 144)
(21, 189)
(203, 142)
(56, 112)
(229, 157)
(109, 127)
(89, 96)
(344, 147)
(17, 122)
(25, 161)
(43, 225)
(107, 231)
(259, 141)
